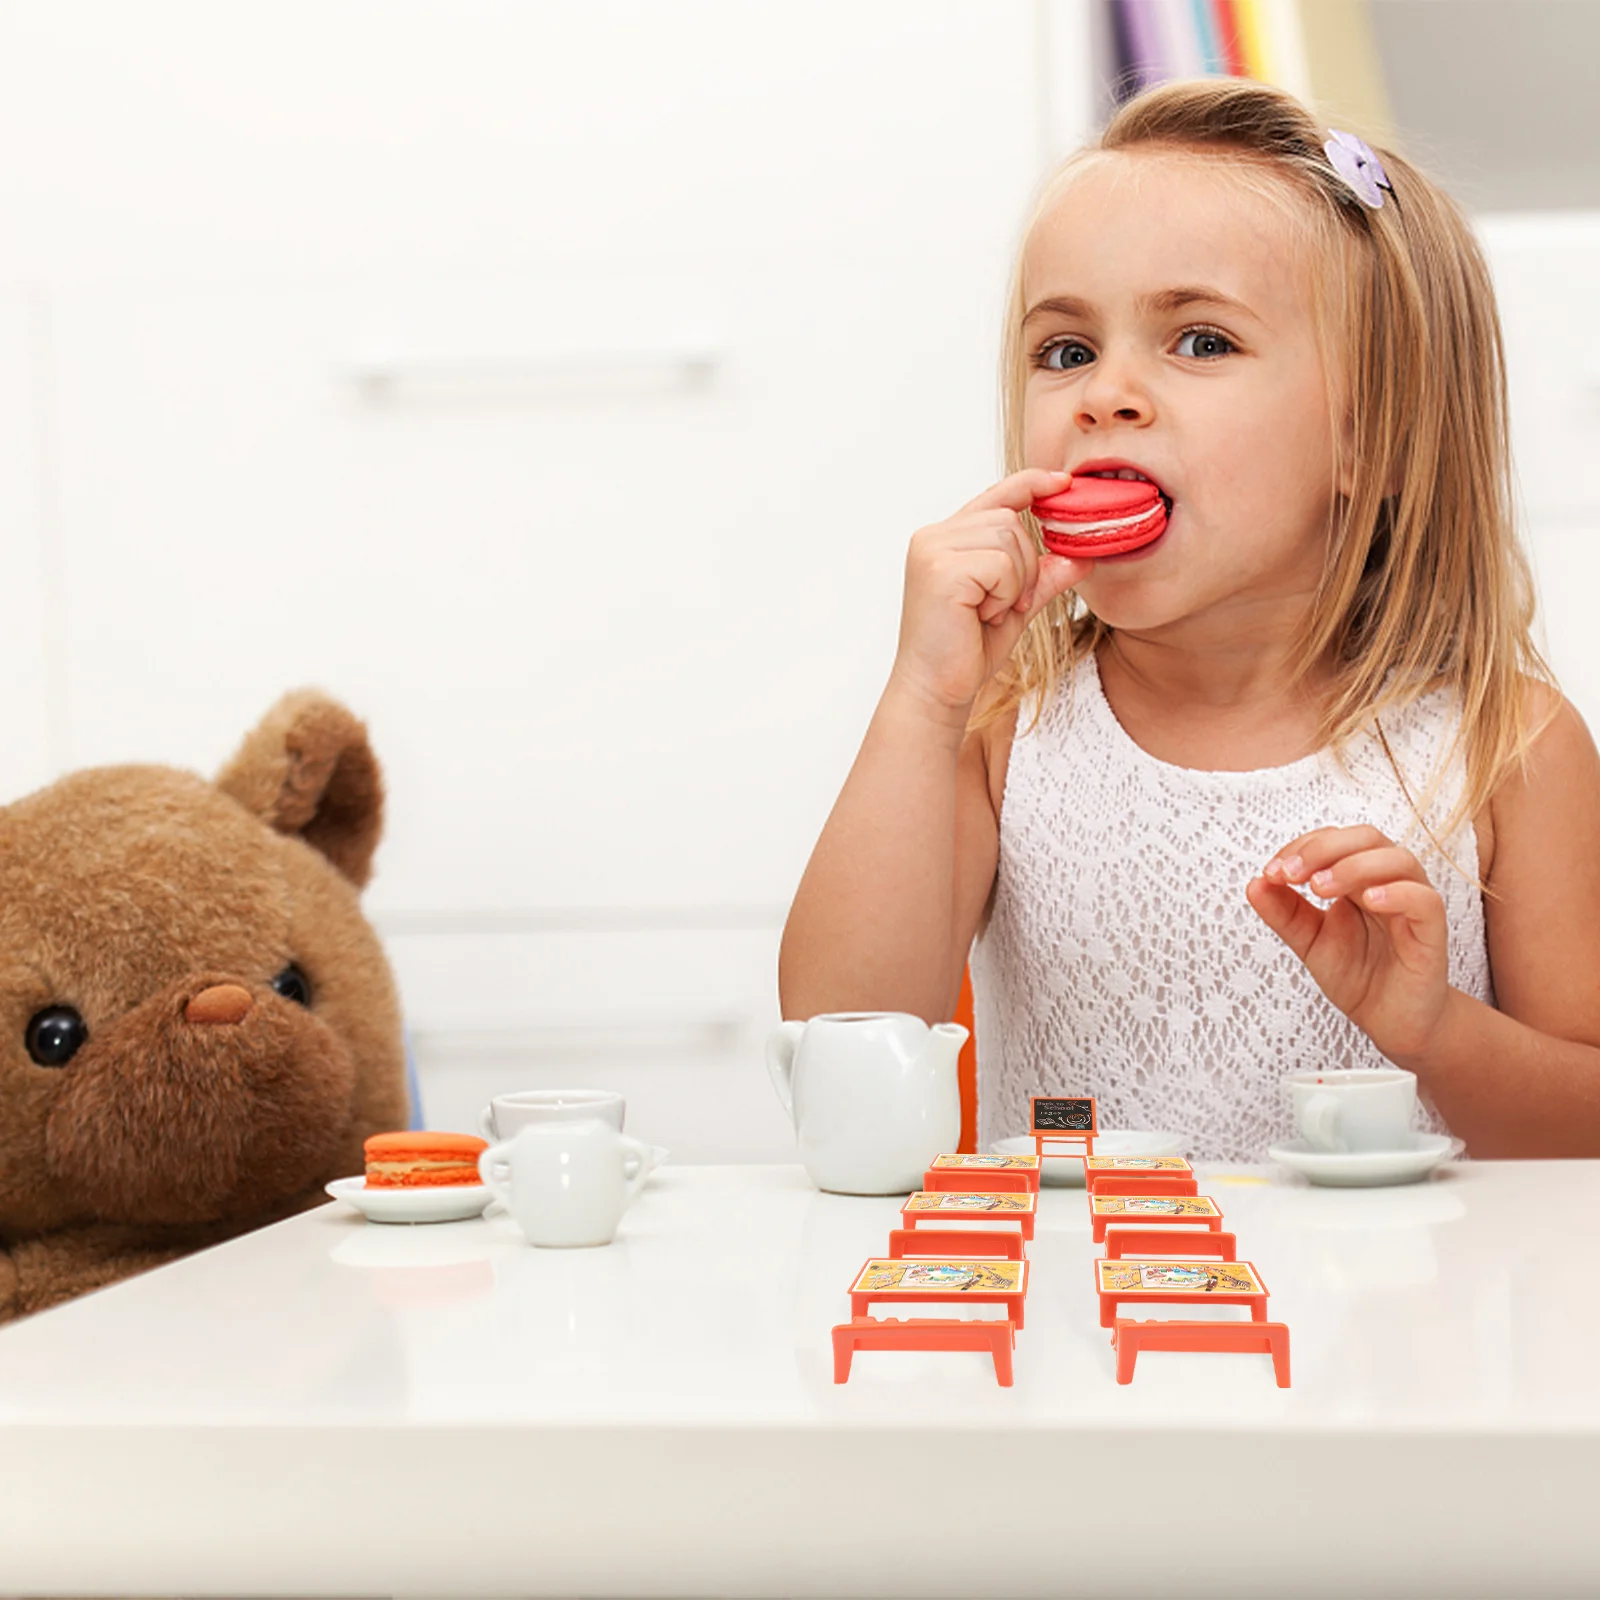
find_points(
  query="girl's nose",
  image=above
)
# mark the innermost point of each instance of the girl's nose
(1112, 393)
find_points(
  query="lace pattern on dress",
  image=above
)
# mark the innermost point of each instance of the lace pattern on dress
(1120, 957)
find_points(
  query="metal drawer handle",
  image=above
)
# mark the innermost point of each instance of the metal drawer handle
(623, 369)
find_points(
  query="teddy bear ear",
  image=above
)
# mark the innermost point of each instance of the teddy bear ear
(308, 770)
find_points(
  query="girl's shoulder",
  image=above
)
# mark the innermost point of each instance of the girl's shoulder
(996, 731)
(1558, 777)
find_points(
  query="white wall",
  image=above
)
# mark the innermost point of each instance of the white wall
(558, 384)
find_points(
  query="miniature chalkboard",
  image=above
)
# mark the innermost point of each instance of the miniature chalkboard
(1063, 1114)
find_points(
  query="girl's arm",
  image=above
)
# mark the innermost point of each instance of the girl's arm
(897, 882)
(894, 889)
(1521, 1078)
(1524, 1079)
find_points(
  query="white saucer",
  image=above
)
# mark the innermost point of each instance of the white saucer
(1368, 1168)
(1066, 1172)
(447, 1203)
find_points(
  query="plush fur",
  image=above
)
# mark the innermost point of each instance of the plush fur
(202, 1102)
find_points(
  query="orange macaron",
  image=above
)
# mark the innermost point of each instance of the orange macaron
(422, 1160)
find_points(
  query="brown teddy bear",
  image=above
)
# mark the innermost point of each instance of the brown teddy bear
(198, 1027)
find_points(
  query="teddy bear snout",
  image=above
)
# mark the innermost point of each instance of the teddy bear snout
(224, 1003)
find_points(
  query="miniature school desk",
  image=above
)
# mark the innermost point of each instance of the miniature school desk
(1151, 1210)
(941, 1207)
(1189, 1282)
(930, 1282)
(1003, 1174)
(1157, 1174)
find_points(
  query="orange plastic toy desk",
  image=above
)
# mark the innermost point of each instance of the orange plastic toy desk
(1116, 1210)
(1168, 1282)
(1156, 1174)
(940, 1207)
(964, 1281)
(991, 1174)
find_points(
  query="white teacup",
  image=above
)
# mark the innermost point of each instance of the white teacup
(567, 1183)
(1359, 1109)
(506, 1114)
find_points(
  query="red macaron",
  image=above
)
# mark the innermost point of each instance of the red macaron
(1101, 516)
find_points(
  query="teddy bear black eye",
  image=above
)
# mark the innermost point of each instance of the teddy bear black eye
(55, 1035)
(294, 985)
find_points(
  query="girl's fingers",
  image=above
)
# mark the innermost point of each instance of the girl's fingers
(1020, 490)
(1413, 915)
(1056, 575)
(994, 586)
(1001, 531)
(1320, 848)
(1291, 916)
(1355, 873)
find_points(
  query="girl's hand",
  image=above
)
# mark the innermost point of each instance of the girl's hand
(1380, 952)
(973, 584)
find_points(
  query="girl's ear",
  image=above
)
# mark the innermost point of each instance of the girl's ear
(308, 770)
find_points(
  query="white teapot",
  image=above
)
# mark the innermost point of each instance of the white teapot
(873, 1096)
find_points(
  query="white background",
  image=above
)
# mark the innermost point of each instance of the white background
(558, 385)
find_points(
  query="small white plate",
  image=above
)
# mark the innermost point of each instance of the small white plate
(1360, 1169)
(447, 1203)
(1066, 1172)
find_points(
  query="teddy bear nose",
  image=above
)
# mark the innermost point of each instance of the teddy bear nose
(222, 1002)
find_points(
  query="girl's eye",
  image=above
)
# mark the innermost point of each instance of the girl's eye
(1064, 354)
(1207, 342)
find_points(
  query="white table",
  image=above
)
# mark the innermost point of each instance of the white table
(336, 1408)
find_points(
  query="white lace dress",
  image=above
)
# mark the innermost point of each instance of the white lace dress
(1120, 957)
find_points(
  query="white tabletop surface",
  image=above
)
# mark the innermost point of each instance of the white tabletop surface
(335, 1407)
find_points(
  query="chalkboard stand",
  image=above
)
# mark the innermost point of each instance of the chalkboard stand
(1070, 1120)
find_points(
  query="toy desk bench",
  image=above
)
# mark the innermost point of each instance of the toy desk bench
(996, 1336)
(1128, 1338)
(1143, 1243)
(992, 1174)
(942, 1280)
(1153, 1210)
(960, 1243)
(1158, 1174)
(1187, 1282)
(941, 1207)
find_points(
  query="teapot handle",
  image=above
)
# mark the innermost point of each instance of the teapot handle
(782, 1043)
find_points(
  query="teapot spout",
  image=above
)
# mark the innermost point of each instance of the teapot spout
(952, 1031)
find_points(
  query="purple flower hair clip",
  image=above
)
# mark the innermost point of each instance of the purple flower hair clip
(1353, 159)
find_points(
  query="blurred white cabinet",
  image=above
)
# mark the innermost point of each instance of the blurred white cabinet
(1547, 278)
(31, 711)
(558, 384)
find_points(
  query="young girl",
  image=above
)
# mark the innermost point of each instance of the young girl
(1289, 787)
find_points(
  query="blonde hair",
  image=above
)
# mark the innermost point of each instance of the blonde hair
(1426, 583)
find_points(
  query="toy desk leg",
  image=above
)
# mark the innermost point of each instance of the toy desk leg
(1266, 1338)
(868, 1333)
(956, 1242)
